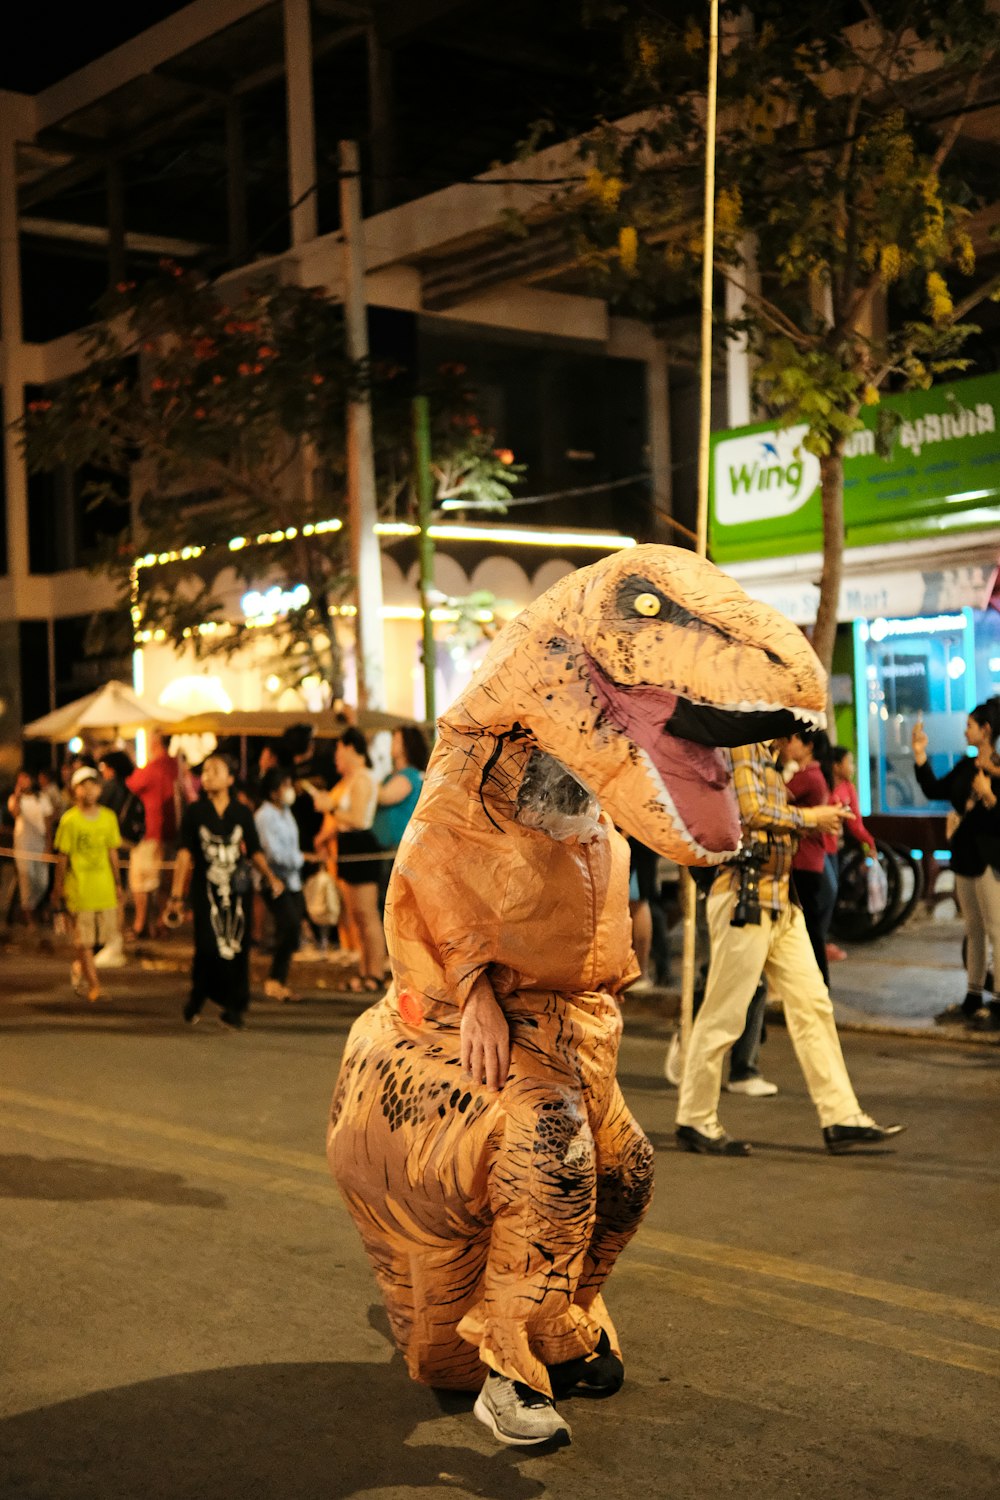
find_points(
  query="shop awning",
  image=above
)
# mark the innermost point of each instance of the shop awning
(899, 579)
(271, 723)
(113, 709)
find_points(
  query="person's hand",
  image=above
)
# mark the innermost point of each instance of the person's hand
(982, 788)
(485, 1038)
(951, 823)
(277, 888)
(918, 739)
(830, 819)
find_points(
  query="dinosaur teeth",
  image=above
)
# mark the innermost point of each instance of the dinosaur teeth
(813, 719)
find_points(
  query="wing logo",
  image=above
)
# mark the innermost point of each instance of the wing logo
(761, 476)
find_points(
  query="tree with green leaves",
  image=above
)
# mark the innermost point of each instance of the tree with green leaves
(853, 202)
(225, 418)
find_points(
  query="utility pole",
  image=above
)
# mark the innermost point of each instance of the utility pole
(424, 481)
(365, 553)
(690, 895)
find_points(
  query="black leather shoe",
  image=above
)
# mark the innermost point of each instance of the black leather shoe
(987, 1018)
(599, 1374)
(689, 1139)
(957, 1015)
(840, 1138)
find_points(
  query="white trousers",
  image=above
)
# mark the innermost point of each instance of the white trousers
(780, 950)
(979, 903)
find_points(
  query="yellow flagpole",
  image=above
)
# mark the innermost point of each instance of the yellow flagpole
(704, 431)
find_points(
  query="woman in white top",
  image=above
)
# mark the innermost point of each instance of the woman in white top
(32, 818)
(352, 804)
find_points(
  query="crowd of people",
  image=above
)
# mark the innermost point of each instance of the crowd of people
(244, 854)
(317, 826)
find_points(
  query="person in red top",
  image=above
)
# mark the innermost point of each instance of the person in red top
(155, 785)
(814, 862)
(846, 793)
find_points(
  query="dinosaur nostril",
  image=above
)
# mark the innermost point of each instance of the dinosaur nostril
(773, 656)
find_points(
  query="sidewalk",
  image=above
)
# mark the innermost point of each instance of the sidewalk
(895, 985)
(900, 982)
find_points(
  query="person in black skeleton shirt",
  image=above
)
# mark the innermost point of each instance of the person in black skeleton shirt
(218, 844)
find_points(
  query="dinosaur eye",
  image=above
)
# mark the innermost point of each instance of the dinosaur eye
(647, 604)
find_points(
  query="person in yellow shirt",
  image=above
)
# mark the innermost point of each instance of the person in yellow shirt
(88, 875)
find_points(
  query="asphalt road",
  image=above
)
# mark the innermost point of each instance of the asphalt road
(188, 1314)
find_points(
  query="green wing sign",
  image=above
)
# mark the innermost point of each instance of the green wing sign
(942, 476)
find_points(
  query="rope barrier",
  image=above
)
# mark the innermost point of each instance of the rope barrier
(27, 857)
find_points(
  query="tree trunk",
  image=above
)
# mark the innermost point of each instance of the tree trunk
(831, 469)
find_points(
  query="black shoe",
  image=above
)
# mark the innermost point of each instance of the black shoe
(988, 1017)
(192, 1012)
(233, 1019)
(599, 1374)
(689, 1139)
(841, 1138)
(958, 1015)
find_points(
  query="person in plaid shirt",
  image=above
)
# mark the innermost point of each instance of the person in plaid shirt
(777, 946)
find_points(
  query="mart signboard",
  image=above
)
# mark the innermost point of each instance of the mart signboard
(942, 476)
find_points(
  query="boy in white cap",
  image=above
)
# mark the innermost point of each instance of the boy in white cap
(88, 874)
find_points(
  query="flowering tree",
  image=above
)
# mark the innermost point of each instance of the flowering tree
(844, 171)
(226, 418)
(469, 471)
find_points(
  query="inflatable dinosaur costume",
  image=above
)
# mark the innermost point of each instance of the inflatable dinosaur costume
(493, 1218)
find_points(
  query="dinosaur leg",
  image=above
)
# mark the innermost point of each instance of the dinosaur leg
(624, 1190)
(426, 1291)
(408, 1145)
(543, 1196)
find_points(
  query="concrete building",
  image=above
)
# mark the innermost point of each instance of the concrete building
(78, 212)
(212, 137)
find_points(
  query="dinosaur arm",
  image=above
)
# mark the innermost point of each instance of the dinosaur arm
(629, 975)
(443, 914)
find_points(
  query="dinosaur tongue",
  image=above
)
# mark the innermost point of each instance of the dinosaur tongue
(693, 775)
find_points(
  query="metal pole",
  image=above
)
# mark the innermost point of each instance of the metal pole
(425, 497)
(707, 282)
(236, 183)
(301, 120)
(366, 556)
(690, 897)
(115, 192)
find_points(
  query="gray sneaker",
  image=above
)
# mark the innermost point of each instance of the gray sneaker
(518, 1415)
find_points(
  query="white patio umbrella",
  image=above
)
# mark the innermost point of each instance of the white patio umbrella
(114, 707)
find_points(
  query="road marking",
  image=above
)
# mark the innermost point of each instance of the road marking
(204, 1140)
(822, 1319)
(760, 1263)
(169, 1159)
(129, 1135)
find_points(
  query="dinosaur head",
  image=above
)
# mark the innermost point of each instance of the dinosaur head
(632, 672)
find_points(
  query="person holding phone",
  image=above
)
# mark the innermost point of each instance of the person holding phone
(973, 827)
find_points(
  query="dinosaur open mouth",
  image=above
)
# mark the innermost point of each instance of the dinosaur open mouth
(678, 740)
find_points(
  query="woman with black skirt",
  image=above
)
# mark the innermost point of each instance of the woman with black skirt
(352, 804)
